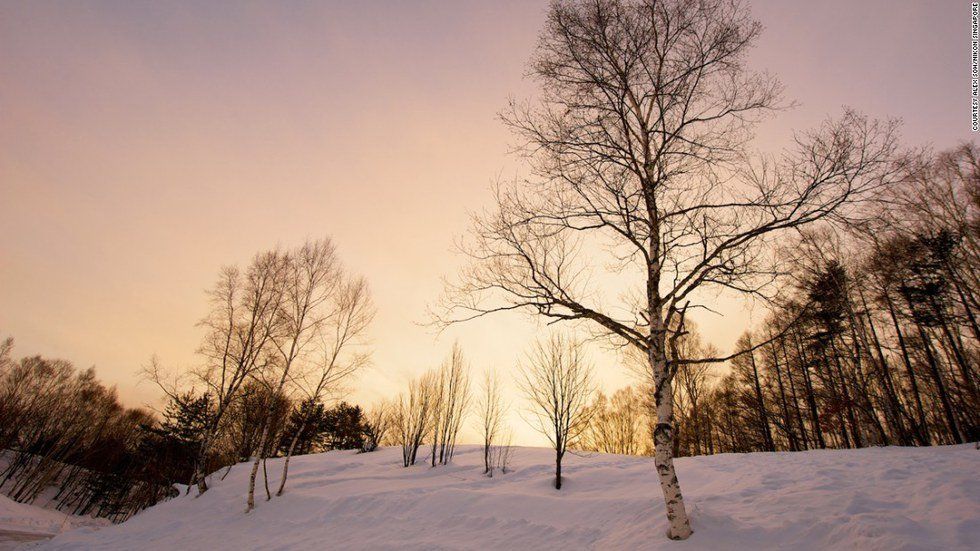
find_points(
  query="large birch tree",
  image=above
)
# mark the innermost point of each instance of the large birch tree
(640, 168)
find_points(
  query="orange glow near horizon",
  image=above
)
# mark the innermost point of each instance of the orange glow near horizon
(144, 146)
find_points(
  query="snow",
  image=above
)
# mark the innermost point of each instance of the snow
(21, 517)
(880, 498)
(31, 522)
(38, 519)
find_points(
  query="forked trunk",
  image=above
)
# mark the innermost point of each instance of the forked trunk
(289, 454)
(256, 459)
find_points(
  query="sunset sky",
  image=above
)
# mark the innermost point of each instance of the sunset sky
(143, 145)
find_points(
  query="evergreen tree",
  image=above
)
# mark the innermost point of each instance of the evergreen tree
(344, 427)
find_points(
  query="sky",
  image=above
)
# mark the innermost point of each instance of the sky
(143, 145)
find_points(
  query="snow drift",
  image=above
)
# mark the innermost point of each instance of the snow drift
(29, 522)
(880, 498)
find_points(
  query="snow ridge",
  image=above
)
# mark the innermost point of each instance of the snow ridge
(879, 498)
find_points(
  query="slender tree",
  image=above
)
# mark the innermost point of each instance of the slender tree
(341, 336)
(558, 382)
(377, 426)
(310, 276)
(452, 397)
(491, 411)
(245, 316)
(413, 415)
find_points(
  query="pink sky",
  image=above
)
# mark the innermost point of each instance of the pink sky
(145, 144)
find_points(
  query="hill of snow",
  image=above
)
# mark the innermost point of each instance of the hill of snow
(881, 498)
(20, 522)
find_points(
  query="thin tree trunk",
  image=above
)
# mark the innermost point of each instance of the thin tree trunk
(763, 416)
(289, 454)
(558, 455)
(961, 361)
(199, 476)
(940, 386)
(265, 478)
(888, 382)
(921, 428)
(790, 433)
(830, 383)
(859, 339)
(792, 391)
(256, 459)
(811, 399)
(849, 405)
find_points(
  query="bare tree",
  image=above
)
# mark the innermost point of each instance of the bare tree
(618, 424)
(413, 415)
(342, 333)
(452, 396)
(558, 382)
(500, 453)
(640, 166)
(244, 318)
(63, 431)
(377, 425)
(310, 277)
(492, 411)
(438, 398)
(693, 433)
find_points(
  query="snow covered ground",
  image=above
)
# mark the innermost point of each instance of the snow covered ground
(883, 498)
(20, 522)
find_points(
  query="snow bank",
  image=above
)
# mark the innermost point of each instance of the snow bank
(40, 517)
(883, 498)
(21, 517)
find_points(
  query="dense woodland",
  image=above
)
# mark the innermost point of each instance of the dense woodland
(281, 338)
(873, 340)
(71, 445)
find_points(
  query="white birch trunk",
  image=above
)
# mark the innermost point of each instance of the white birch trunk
(289, 454)
(200, 477)
(256, 459)
(678, 525)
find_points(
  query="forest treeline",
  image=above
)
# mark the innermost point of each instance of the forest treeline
(281, 338)
(872, 340)
(70, 444)
(61, 430)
